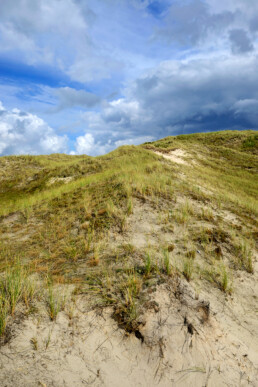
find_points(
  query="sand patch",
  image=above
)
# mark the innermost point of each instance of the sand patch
(64, 180)
(185, 344)
(143, 227)
(177, 156)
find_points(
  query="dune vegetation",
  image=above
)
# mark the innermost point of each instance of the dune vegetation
(113, 228)
(61, 213)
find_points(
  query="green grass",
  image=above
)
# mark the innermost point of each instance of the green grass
(55, 301)
(15, 287)
(226, 166)
(219, 275)
(188, 268)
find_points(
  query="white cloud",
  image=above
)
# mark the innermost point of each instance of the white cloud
(25, 133)
(56, 33)
(86, 145)
(134, 141)
(36, 29)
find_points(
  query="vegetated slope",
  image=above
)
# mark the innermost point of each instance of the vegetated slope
(139, 266)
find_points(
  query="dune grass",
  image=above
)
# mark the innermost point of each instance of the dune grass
(65, 229)
(15, 287)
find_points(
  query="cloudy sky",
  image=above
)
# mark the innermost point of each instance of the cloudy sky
(86, 76)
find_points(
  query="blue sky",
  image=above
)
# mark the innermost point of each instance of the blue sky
(86, 76)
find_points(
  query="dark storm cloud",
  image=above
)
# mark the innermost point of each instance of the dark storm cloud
(200, 95)
(205, 94)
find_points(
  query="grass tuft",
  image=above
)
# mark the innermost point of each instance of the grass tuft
(15, 287)
(188, 269)
(55, 301)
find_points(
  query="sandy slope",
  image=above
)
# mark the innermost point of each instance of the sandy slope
(186, 343)
(187, 337)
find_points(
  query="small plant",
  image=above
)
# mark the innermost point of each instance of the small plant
(34, 343)
(245, 255)
(220, 276)
(70, 251)
(128, 248)
(48, 339)
(133, 287)
(206, 214)
(96, 256)
(4, 307)
(15, 287)
(188, 269)
(166, 262)
(111, 208)
(224, 279)
(191, 253)
(183, 214)
(129, 206)
(148, 264)
(89, 240)
(55, 302)
(27, 213)
(187, 208)
(123, 223)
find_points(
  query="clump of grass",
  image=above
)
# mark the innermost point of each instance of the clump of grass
(34, 343)
(4, 309)
(132, 288)
(96, 256)
(166, 262)
(15, 287)
(183, 214)
(89, 239)
(111, 208)
(206, 214)
(188, 268)
(123, 223)
(187, 207)
(219, 275)
(191, 253)
(245, 254)
(148, 264)
(55, 301)
(48, 339)
(128, 248)
(129, 209)
(70, 250)
(224, 280)
(127, 306)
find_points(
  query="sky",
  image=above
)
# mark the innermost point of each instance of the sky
(86, 76)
